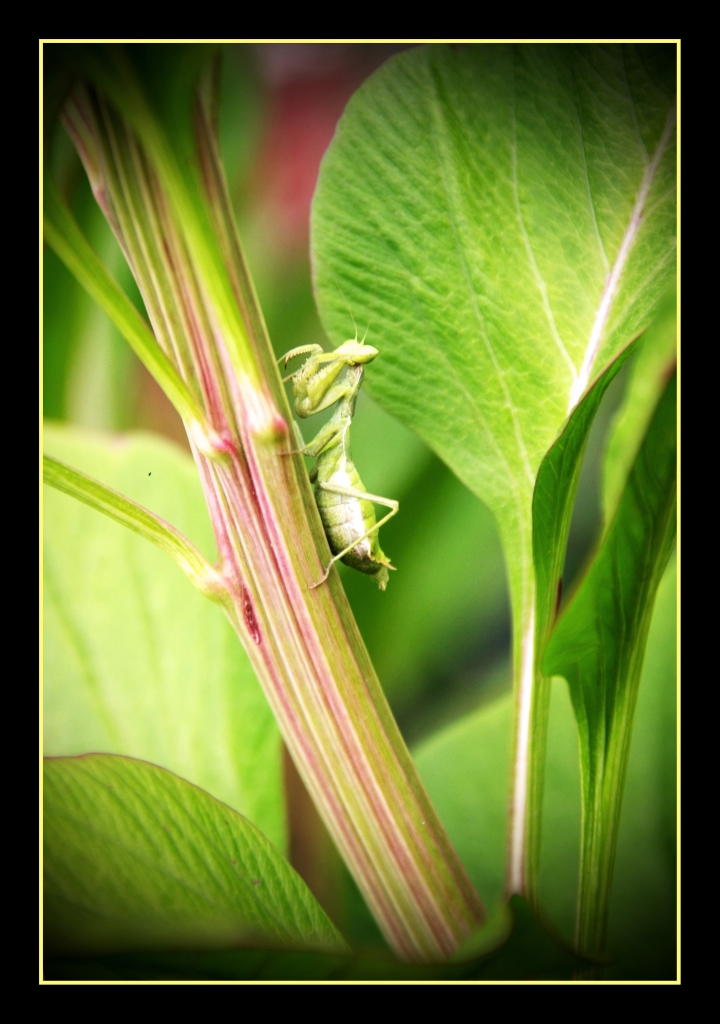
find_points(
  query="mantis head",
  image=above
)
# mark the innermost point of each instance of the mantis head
(356, 353)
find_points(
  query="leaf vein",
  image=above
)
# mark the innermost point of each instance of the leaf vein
(613, 280)
(539, 280)
(591, 199)
(522, 449)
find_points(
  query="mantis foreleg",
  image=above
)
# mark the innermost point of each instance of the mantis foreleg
(321, 440)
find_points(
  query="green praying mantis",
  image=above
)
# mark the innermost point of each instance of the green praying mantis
(345, 507)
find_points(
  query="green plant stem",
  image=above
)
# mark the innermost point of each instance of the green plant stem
(302, 641)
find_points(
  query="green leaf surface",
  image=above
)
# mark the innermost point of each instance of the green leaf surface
(552, 510)
(507, 214)
(136, 518)
(652, 366)
(136, 661)
(643, 920)
(599, 646)
(526, 951)
(466, 771)
(555, 491)
(137, 858)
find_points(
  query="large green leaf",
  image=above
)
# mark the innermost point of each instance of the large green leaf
(136, 661)
(505, 214)
(599, 646)
(137, 858)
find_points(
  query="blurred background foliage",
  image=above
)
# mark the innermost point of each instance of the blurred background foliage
(440, 635)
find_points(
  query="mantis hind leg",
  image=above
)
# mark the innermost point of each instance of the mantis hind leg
(352, 492)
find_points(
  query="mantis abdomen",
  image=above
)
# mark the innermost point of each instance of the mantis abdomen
(347, 519)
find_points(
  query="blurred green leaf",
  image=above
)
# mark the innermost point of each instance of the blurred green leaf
(525, 951)
(466, 769)
(532, 952)
(392, 457)
(137, 858)
(62, 302)
(651, 368)
(485, 202)
(599, 646)
(642, 931)
(446, 612)
(560, 835)
(138, 519)
(136, 661)
(240, 111)
(586, 521)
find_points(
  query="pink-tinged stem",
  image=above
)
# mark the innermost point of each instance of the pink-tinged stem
(303, 642)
